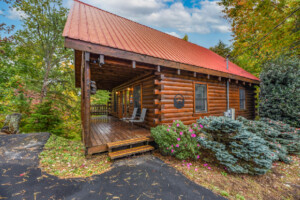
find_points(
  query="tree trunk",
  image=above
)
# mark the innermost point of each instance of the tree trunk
(45, 82)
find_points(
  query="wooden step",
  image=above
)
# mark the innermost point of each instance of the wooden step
(128, 152)
(112, 145)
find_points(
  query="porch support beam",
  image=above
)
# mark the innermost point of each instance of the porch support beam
(85, 97)
(83, 137)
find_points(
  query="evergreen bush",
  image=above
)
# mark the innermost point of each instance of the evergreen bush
(266, 132)
(239, 150)
(45, 118)
(289, 137)
(177, 140)
(283, 139)
(280, 90)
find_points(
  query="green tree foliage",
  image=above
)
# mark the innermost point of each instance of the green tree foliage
(186, 37)
(234, 147)
(221, 49)
(252, 20)
(35, 65)
(280, 90)
(44, 118)
(177, 140)
(101, 97)
(41, 40)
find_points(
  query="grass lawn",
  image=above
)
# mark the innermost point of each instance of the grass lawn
(65, 159)
(282, 182)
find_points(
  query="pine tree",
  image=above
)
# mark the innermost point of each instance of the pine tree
(221, 49)
(186, 37)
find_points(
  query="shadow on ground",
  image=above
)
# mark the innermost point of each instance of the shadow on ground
(145, 177)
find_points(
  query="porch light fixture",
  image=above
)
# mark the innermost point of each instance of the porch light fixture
(101, 60)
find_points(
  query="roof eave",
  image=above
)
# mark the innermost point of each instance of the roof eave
(118, 53)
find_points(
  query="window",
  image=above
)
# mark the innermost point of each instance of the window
(242, 99)
(137, 98)
(123, 102)
(200, 98)
(127, 102)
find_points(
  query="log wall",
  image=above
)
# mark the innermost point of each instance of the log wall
(172, 84)
(159, 90)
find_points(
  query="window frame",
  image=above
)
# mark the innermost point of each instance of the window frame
(115, 101)
(244, 99)
(194, 90)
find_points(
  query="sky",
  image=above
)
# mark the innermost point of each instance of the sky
(201, 20)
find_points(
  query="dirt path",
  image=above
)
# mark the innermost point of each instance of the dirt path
(145, 177)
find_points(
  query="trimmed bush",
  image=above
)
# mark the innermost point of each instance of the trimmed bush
(239, 150)
(177, 140)
(280, 90)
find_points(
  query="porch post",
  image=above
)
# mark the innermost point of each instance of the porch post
(82, 99)
(85, 99)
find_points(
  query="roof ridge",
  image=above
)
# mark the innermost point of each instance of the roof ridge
(136, 22)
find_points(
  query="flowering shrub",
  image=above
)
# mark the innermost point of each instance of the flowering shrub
(239, 150)
(177, 139)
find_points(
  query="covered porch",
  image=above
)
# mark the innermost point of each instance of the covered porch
(107, 130)
(121, 78)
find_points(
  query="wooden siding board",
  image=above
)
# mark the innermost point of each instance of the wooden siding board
(216, 98)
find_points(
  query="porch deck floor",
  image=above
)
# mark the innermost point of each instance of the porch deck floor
(106, 129)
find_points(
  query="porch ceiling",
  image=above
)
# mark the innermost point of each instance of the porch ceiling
(113, 73)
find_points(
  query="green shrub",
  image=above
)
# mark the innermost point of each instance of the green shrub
(219, 128)
(289, 137)
(45, 118)
(282, 138)
(269, 134)
(239, 150)
(177, 140)
(280, 90)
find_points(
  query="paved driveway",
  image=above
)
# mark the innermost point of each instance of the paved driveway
(145, 177)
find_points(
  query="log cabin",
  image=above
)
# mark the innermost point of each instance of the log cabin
(144, 68)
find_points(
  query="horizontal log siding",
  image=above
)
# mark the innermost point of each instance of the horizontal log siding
(234, 102)
(147, 98)
(173, 84)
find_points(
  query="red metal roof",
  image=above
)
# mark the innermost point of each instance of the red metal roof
(90, 24)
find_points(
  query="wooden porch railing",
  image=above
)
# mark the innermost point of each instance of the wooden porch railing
(99, 110)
